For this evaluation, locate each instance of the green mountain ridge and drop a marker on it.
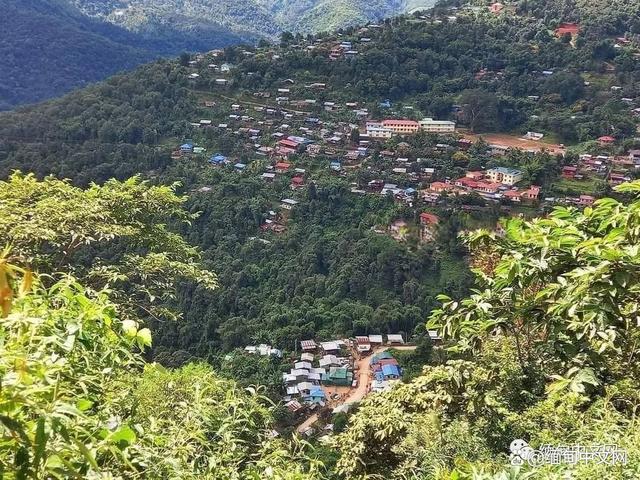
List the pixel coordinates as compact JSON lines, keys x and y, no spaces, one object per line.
{"x":52,"y":46}
{"x":254,"y":17}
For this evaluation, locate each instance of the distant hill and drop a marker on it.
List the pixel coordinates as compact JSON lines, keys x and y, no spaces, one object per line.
{"x":53,"y":46}
{"x":251,"y":17}
{"x":327,"y":15}
{"x":49,"y":47}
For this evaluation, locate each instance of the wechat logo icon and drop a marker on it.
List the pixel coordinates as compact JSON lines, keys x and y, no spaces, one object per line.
{"x":520,"y":452}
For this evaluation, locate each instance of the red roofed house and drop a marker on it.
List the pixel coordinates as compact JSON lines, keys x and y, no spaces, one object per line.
{"x":429,"y":219}
{"x":496,"y":8}
{"x":532,"y":193}
{"x":475,"y":175}
{"x":586,"y":200}
{"x":567,"y":29}
{"x":569,"y":172}
{"x":513,"y":195}
{"x":297,"y":182}
{"x":288,"y":143}
{"x":282,"y":167}
{"x":485,"y":187}
{"x":428,"y":222}
{"x":466,"y":182}
{"x":439,"y":187}
{"x":606,"y":140}
{"x":616,"y":178}
{"x":464,"y":143}
{"x":363,"y":344}
{"x":376,"y":367}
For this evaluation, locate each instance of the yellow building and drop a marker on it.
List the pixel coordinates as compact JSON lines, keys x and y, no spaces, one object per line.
{"x":401,"y":127}
{"x":430,"y":125}
{"x":506,"y":176}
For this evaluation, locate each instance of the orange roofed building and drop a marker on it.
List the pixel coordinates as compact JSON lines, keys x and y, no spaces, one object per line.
{"x":401,"y":127}
{"x":568,"y":29}
{"x":428,"y":226}
{"x":496,"y":8}
{"x":439,"y":187}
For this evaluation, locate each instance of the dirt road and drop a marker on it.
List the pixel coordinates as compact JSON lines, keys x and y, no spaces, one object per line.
{"x":307,"y":423}
{"x":514,"y":141}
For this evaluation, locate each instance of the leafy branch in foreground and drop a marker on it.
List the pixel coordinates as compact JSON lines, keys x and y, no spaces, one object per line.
{"x":114,"y":236}
{"x":565,"y":289}
{"x":78,"y":401}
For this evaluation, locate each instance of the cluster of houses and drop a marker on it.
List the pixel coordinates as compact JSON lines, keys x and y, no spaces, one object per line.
{"x":385,"y":370}
{"x":344,"y":49}
{"x":615,"y":169}
{"x":333,"y":364}
{"x":273,"y":138}
{"x":326,"y":363}
{"x":263,"y":350}
{"x":493,"y":184}
{"x":300,"y":121}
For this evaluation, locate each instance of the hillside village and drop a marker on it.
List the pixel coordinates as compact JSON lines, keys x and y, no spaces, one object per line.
{"x":305,"y":132}
{"x":300,"y":133}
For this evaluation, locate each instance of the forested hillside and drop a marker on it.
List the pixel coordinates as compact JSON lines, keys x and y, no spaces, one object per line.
{"x":241,"y":215}
{"x":258,"y":18}
{"x":330,"y":273}
{"x":49,"y":48}
{"x":53,"y":46}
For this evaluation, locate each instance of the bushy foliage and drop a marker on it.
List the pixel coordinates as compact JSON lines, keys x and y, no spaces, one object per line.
{"x":540,"y":352}
{"x":110,"y":130}
{"x":327,"y":275}
{"x":78,"y":402}
{"x":113,"y":236}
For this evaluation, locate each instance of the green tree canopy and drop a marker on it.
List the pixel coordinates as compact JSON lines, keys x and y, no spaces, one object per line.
{"x":119,"y":235}
{"x":78,"y":401}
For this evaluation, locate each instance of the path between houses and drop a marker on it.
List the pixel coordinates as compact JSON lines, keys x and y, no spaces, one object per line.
{"x":363,"y":383}
{"x":256,"y":104}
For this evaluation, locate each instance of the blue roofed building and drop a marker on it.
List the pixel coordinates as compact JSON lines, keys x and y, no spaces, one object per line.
{"x":390,"y":372}
{"x":186,"y":148}
{"x":217,"y":159}
{"x":316,"y":395}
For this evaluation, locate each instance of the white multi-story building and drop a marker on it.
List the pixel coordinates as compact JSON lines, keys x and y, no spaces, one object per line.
{"x":430,"y":125}
{"x":379,"y":132}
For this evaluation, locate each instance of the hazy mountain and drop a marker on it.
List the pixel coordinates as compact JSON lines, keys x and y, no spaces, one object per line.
{"x":250,"y":17}
{"x":50,"y":47}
